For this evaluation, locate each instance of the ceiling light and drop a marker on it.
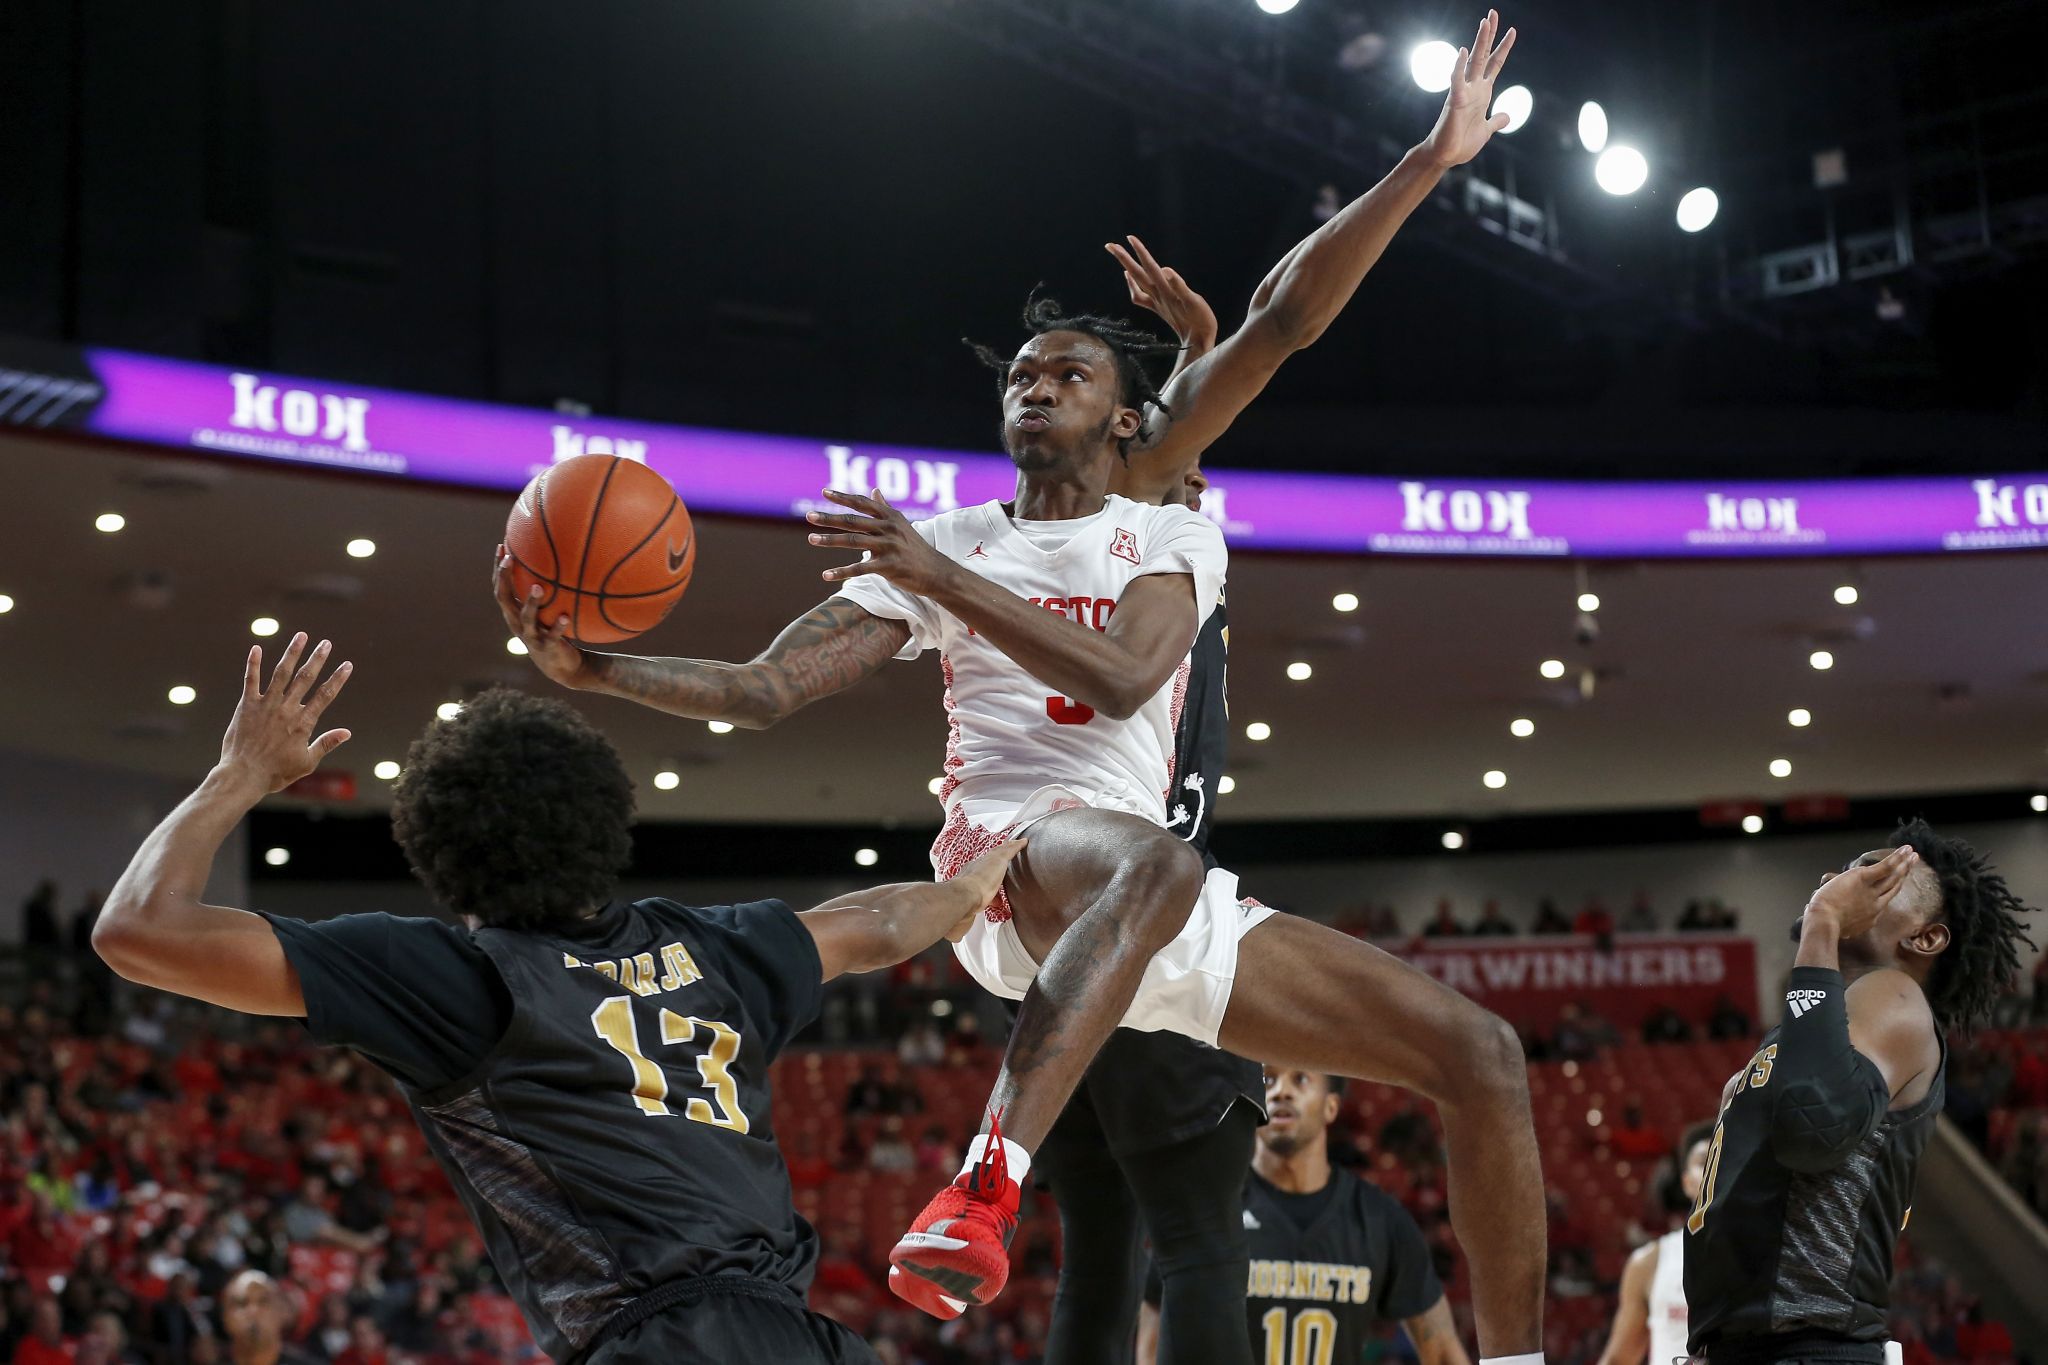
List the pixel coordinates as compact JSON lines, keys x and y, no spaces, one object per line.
{"x":1589,"y":602}
{"x":1593,"y":1117}
{"x":1345,"y":601}
{"x":6,"y":604}
{"x":182,"y":695}
{"x":936,"y":785}
{"x":1592,"y":126}
{"x":1517,"y":103}
{"x":1257,"y":730}
{"x":1781,"y":767}
{"x":515,"y":645}
{"x":2039,"y":801}
{"x":277,"y":857}
{"x":109,"y":522}
{"x":1432,"y":64}
{"x":386,"y":770}
{"x":1846,"y":595}
{"x":718,"y":727}
{"x":1453,"y":839}
{"x":667,"y":781}
{"x":448,"y":710}
{"x":1799,"y":718}
{"x":1225,"y":785}
{"x":866,"y":857}
{"x":1821,"y":660}
{"x":361,"y":548}
{"x":266,"y":626}
{"x":1697,"y":209}
{"x":1752,"y":824}
{"x":1495,"y":778}
{"x":1551,"y":668}
{"x":1521,"y":727}
{"x":1621,"y":170}
{"x":1299,"y":671}
{"x":1277,"y":6}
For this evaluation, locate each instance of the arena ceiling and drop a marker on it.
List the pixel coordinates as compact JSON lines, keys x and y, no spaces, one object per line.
{"x":1940,"y":681}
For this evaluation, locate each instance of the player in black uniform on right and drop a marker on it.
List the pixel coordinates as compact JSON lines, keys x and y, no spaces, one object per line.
{"x":1788,"y":1251}
{"x":591,"y":1074}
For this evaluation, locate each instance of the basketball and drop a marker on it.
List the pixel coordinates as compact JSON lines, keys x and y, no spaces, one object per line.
{"x":608,"y":540}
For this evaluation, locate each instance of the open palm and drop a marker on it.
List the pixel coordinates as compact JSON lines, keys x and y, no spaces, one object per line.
{"x":1464,"y":127}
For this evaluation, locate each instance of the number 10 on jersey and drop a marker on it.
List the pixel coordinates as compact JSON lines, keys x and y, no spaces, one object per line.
{"x":614,"y":1022}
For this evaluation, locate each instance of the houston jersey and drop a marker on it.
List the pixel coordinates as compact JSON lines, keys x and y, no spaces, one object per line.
{"x":1667,"y":1317}
{"x":1010,"y":734}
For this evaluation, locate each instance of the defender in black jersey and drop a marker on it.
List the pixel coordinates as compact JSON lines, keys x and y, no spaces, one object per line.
{"x":1332,"y":1256}
{"x":1157,"y":1135}
{"x":592,"y":1075}
{"x":1809,"y":1181}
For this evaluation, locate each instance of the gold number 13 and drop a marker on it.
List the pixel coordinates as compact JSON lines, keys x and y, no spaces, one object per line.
{"x":614,"y":1023}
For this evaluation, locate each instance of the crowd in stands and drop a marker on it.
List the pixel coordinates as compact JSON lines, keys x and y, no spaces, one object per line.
{"x":151,"y":1150}
{"x":1382,"y":921}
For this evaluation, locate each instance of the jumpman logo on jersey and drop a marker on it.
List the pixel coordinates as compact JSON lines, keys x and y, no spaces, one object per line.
{"x":1126,"y":546}
{"x":977,"y":552}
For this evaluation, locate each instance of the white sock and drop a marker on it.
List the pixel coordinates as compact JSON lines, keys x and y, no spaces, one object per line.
{"x":1019,"y":1160}
{"x":1532,"y":1358}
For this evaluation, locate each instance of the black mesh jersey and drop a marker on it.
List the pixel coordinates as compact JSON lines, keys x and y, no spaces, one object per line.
{"x":1201,"y":737}
{"x":613,"y":1145}
{"x":1780,"y":1265}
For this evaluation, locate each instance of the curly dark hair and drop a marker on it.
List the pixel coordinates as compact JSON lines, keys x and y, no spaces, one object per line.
{"x":1982,"y":960}
{"x":1703,"y":1131}
{"x":1130,"y":345}
{"x":517,"y":812}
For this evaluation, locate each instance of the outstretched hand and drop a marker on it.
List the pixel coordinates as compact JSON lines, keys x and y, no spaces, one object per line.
{"x":984,"y":877}
{"x":891,"y":545}
{"x":1464,"y":125}
{"x":270,"y":740}
{"x":1161,"y":290}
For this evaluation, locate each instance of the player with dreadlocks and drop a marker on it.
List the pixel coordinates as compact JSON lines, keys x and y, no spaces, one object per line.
{"x":1809,"y":1180}
{"x":1064,"y":618}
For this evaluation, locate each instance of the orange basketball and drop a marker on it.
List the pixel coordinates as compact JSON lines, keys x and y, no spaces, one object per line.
{"x":610,"y":542}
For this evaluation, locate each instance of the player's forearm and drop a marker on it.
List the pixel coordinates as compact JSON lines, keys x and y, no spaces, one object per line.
{"x":863,"y":931}
{"x":746,"y":695}
{"x":1313,"y":282}
{"x":1073,"y":660}
{"x":159,"y":894}
{"x":1826,"y":1097}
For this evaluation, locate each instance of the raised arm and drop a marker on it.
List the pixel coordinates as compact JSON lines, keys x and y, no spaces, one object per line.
{"x":866,"y":930}
{"x":156,"y":930}
{"x":1114,"y":671}
{"x":1845,"y":1054}
{"x":1311,"y":284}
{"x":826,"y":650}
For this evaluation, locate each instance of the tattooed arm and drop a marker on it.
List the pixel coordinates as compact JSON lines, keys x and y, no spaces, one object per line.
{"x":827,"y":650}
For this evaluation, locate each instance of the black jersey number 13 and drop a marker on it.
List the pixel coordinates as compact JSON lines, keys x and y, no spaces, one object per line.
{"x":614,"y":1022}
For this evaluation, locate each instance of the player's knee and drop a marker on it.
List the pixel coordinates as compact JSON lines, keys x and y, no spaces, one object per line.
{"x":1482,"y":1061}
{"x":1160,"y":882}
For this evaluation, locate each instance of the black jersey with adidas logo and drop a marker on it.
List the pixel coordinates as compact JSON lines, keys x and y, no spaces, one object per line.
{"x":598,"y":1096}
{"x":1783,"y":1265}
{"x":1327,"y":1267}
{"x":1201,"y":740}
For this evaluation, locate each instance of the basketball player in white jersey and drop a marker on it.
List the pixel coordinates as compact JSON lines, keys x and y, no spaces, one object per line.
{"x":1063,"y":618}
{"x":1651,"y":1314}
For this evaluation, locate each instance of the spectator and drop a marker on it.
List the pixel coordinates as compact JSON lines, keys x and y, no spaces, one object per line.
{"x":1637,"y":1140}
{"x":1386,"y":923}
{"x":45,"y":1343}
{"x":1445,"y":925}
{"x":1694,"y":917}
{"x":1594,"y":920}
{"x":935,"y":1152}
{"x":808,"y":1170}
{"x":330,"y":1335}
{"x":178,"y":1319}
{"x":1492,"y":922}
{"x":1666,"y":1025}
{"x":921,"y":1045}
{"x":1550,"y":919}
{"x":1728,"y":1020}
{"x":109,"y":1340}
{"x":890,"y":1152}
{"x":966,"y":1047}
{"x":840,"y":1267}
{"x":253,"y":1314}
{"x":365,"y":1343}
{"x":39,"y":937}
{"x":1641,"y":918}
{"x":1580,"y":1034}
{"x":308,"y":1223}
{"x":868,"y":1094}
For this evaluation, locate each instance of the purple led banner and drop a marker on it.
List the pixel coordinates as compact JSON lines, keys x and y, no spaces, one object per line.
{"x":403,"y":435}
